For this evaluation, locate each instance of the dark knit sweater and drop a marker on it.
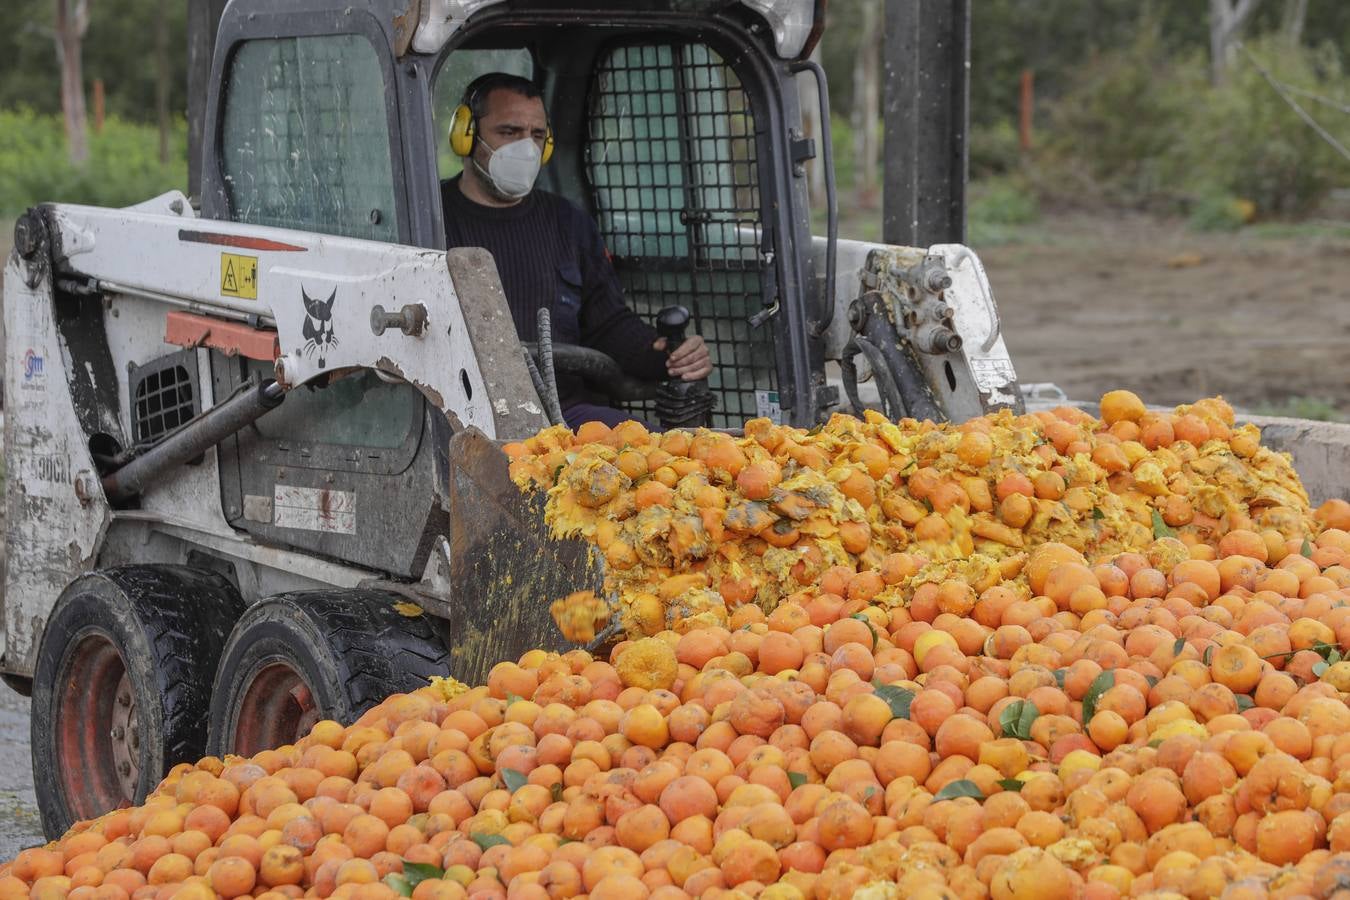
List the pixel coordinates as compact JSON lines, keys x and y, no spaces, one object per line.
{"x":550,"y":254}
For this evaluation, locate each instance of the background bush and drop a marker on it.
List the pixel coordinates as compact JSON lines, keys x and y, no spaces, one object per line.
{"x":1144,"y":127}
{"x":123,"y":167}
{"x":1247,"y":142}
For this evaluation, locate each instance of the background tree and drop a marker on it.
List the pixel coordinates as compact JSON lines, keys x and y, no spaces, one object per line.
{"x":1295,"y":17}
{"x":162,"y":76}
{"x":72,"y":20}
{"x":866,"y":112}
{"x":1227,"y":18}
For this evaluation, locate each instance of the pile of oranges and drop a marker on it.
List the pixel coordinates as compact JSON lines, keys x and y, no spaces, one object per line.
{"x":693,"y":524}
{"x":1164,"y":720}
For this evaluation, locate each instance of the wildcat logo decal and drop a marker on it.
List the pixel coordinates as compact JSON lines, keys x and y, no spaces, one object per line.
{"x":318,"y":330}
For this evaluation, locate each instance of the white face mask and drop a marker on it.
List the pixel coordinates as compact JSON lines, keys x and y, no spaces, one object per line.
{"x":513,"y":168}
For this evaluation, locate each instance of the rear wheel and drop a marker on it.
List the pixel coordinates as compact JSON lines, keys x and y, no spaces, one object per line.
{"x":295,"y":659}
{"x":122,"y":685}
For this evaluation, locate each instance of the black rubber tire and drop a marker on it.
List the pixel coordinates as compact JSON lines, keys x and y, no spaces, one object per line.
{"x":168,"y":625}
{"x":351,"y":649}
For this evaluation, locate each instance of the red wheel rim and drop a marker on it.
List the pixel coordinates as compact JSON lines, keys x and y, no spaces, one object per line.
{"x":277,"y":708}
{"x":97,"y":730}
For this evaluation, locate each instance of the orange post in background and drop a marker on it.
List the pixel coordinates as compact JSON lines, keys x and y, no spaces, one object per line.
{"x":98,"y":106}
{"x":1028,"y":101}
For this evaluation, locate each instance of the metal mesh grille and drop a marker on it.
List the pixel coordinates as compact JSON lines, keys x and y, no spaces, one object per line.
{"x":671,"y":157}
{"x":163,"y":402}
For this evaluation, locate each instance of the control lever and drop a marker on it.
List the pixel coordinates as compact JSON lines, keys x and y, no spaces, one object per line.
{"x":670,"y":324}
{"x":680,"y":403}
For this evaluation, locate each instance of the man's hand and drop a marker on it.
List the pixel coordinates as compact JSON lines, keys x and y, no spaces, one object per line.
{"x":690,"y":361}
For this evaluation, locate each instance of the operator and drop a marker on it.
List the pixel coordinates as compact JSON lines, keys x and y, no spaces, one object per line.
{"x":549,"y":252}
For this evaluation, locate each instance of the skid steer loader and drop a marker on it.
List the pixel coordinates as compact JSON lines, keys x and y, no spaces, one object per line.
{"x":253,"y":447}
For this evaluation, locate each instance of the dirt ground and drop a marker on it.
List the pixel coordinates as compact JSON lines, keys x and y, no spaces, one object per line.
{"x":20,"y":825}
{"x":1099,"y":303}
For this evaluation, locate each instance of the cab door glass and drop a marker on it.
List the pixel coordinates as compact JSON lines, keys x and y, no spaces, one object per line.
{"x":306,"y":137}
{"x":357,"y":410}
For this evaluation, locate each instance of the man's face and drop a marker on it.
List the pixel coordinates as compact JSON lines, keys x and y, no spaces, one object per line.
{"x":510,"y":117}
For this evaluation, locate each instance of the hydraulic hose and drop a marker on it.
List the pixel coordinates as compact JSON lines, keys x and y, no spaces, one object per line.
{"x":886,"y":385}
{"x":880,"y":332}
{"x":192,"y":440}
{"x":848,"y":373}
{"x":554,"y":415}
{"x":550,"y":377}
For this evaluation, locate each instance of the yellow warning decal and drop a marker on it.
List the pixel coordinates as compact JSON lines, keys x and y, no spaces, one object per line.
{"x":239,"y":276}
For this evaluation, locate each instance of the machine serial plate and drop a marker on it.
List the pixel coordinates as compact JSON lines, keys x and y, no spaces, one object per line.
{"x":314,"y":509}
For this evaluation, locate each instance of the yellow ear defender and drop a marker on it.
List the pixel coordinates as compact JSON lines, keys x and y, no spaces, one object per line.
{"x":462,"y":130}
{"x":464,"y":127}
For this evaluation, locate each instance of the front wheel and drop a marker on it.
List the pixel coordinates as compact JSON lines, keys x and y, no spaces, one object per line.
{"x":295,"y":659}
{"x":122,"y":685}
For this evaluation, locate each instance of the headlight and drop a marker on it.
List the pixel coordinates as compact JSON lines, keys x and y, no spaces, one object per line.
{"x":791,"y":21}
{"x":442,"y":18}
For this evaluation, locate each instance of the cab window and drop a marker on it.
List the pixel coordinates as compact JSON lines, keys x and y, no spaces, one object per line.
{"x":306,"y":137}
{"x":358,"y":410}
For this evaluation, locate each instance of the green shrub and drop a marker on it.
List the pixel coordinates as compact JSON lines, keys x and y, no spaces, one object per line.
{"x":123,"y":166}
{"x":1144,"y":127}
{"x":1114,"y":136}
{"x":1002,"y":201}
{"x":994,"y":149}
{"x":998,"y":211}
{"x":1218,"y":211}
{"x":1247,"y":142}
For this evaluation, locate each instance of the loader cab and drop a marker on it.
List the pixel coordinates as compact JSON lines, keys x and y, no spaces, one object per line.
{"x":660,"y":139}
{"x":676,"y":128}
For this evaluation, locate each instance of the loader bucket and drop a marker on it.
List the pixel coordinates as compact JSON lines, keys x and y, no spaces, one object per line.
{"x":505,"y":568}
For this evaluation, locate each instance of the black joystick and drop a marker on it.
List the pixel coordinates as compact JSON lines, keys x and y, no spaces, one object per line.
{"x":670,"y":324}
{"x":680,"y":403}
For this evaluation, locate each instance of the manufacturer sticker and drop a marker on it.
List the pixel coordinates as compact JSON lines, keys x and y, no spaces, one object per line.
{"x":767,"y":406}
{"x":239,"y":276}
{"x":314,"y":509}
{"x":34,"y":366}
{"x":992,"y":373}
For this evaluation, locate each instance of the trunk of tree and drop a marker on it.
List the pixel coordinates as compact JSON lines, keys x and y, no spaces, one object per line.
{"x":867,"y":104}
{"x":809,"y":97}
{"x":1226,"y":21}
{"x":72,"y":18}
{"x":162,"y":77}
{"x":1295,"y":15}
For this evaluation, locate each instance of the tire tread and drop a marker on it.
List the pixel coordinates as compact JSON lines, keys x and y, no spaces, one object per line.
{"x":374,"y":651}
{"x":182,"y":615}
